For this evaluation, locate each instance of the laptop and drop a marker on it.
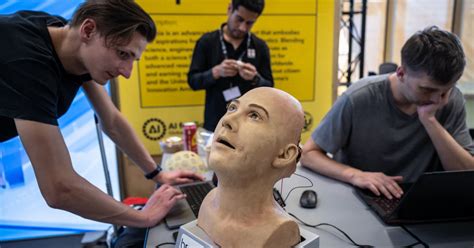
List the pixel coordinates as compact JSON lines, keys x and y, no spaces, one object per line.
{"x":187,"y":210}
{"x":434,"y":197}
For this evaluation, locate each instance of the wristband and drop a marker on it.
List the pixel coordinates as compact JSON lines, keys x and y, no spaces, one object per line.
{"x":153,"y":173}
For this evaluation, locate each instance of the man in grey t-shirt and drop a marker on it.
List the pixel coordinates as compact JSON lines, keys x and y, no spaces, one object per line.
{"x":392,"y":128}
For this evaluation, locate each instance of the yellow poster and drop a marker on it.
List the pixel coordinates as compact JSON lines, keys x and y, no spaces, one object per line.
{"x":157,"y":98}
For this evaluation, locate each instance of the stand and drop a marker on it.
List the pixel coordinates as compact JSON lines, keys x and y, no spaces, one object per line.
{"x":190,"y":235}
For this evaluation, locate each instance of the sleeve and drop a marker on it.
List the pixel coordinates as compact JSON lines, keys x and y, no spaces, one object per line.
{"x":334,"y":131}
{"x":200,"y":75}
{"x":455,"y":122}
{"x":31,"y":93}
{"x":265,"y":70}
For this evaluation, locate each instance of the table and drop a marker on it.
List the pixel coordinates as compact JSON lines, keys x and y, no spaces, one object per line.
{"x":338,"y":205}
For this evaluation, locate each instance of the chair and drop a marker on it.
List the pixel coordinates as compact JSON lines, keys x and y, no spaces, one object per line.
{"x":387,"y":67}
{"x":384,"y":68}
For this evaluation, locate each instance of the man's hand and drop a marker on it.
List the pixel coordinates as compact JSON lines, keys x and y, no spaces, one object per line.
{"x":247,"y":71}
{"x":227,"y":68}
{"x":160,"y":202}
{"x":177,"y":177}
{"x":378,"y":183}
{"x":427,"y":112}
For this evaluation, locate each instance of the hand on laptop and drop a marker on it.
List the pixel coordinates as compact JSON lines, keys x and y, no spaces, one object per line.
{"x":160,"y":202}
{"x":378,"y":183}
{"x":178,"y":177}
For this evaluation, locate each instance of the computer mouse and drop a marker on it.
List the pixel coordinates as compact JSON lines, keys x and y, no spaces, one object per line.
{"x":308,"y":199}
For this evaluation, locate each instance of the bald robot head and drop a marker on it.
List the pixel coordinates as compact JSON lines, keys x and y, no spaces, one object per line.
{"x":290,"y":114}
{"x":255,"y":144}
{"x":262,"y":127}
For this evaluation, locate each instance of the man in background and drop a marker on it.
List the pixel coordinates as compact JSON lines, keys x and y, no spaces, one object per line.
{"x":230,"y":61}
{"x":392,"y":128}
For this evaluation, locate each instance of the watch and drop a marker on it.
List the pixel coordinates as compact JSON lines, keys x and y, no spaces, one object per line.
{"x":153,"y":173}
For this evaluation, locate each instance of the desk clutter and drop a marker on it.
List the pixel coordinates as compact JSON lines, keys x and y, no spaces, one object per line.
{"x":188,"y":152}
{"x":339,"y":205}
{"x":185,"y":160}
{"x":172,"y":144}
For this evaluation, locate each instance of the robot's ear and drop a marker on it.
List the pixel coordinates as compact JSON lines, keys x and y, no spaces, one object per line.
{"x":298,"y":157}
{"x":290,"y":155}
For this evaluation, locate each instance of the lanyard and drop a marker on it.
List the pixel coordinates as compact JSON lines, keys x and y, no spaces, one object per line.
{"x":224,"y":48}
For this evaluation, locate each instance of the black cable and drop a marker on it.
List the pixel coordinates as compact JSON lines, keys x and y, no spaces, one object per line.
{"x":166,"y":243}
{"x":327,"y":224}
{"x":298,"y":187}
{"x":411,"y":245}
{"x":415,"y":237}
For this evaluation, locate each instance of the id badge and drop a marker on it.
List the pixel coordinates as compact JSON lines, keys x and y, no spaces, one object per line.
{"x":231,"y":93}
{"x":251,"y":53}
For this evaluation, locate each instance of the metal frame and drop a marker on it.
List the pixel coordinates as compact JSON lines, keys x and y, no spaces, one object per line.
{"x":356,"y":37}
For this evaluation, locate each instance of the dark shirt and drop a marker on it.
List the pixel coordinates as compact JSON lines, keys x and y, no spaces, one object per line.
{"x":207,"y":54}
{"x":33,"y":83}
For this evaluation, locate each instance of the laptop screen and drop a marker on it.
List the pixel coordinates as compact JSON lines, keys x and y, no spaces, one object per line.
{"x":440,"y":195}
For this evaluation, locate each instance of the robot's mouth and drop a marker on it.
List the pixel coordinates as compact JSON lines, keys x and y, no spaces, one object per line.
{"x":225,"y":142}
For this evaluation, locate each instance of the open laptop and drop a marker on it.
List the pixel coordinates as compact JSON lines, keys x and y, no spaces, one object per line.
{"x":186,"y":210}
{"x":434,"y":197}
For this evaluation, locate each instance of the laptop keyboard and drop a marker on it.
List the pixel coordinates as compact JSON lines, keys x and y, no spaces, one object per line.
{"x":195,"y":195}
{"x":387,"y":205}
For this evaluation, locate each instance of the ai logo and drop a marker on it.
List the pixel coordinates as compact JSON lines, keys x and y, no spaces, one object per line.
{"x":154,"y":129}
